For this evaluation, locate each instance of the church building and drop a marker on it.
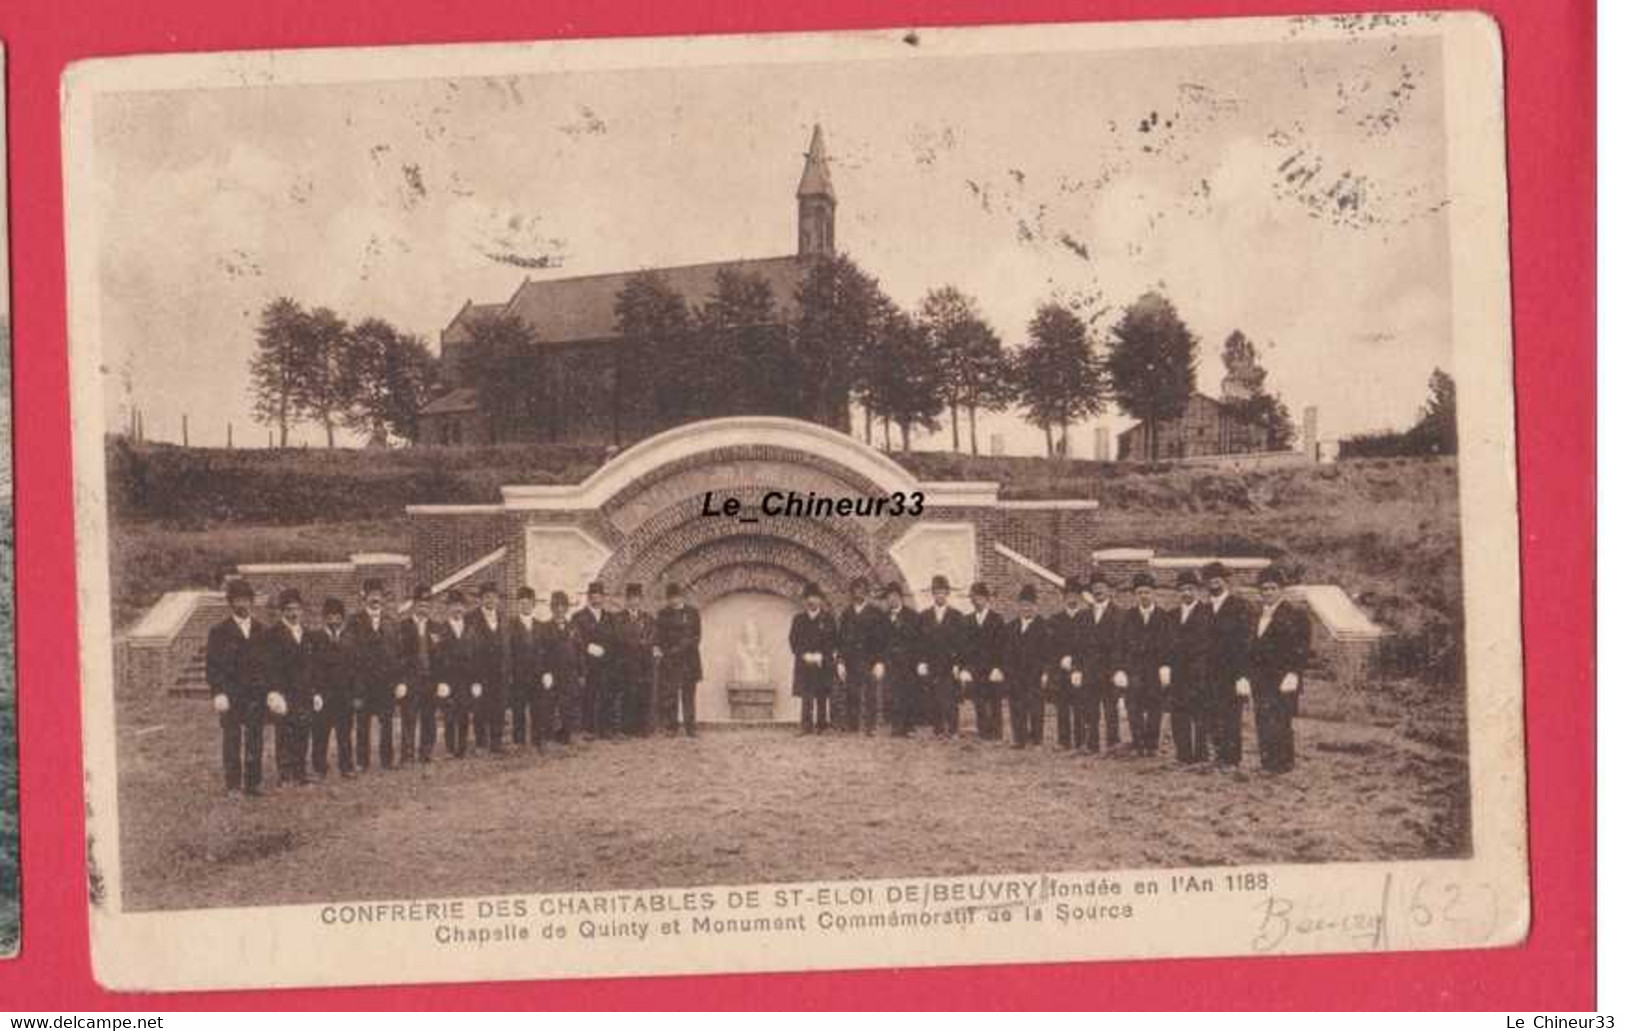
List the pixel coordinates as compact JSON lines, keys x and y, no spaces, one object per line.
{"x":581,"y":385}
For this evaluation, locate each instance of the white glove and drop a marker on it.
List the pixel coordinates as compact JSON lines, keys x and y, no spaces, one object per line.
{"x":221,"y":703}
{"x":276,"y":703}
{"x":1119,"y":679}
{"x":997,"y":676}
{"x":1165,"y":675}
{"x":1066,"y":662}
{"x":840,"y":670}
{"x":476,"y":690}
{"x":355,"y":703}
{"x":1077,"y":680}
{"x":596,"y":650}
{"x":965,"y":677}
{"x":400,"y":691}
{"x":1243,"y":689}
{"x":817,"y":658}
{"x":316,"y":703}
{"x":923,"y":669}
{"x":657,"y":652}
{"x":1289,"y":684}
{"x":1043,"y":679}
{"x":443,"y":691}
{"x":547,"y":681}
{"x":879,"y":670}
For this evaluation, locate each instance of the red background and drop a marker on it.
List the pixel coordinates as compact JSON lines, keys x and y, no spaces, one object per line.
{"x":1551,"y":115}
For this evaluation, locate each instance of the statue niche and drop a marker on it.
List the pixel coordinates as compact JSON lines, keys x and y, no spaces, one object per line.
{"x":751,"y":690}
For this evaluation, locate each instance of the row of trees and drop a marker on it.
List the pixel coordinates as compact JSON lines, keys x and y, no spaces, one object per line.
{"x":313,"y":366}
{"x":1433,"y":432}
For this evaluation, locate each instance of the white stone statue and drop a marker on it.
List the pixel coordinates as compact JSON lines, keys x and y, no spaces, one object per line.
{"x":750,"y":657}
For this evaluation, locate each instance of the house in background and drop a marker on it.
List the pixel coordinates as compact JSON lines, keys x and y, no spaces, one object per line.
{"x":1207,"y":427}
{"x":583,"y":382}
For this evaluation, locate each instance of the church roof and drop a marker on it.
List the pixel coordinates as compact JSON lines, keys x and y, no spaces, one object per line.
{"x":583,"y":307}
{"x":815,"y":178}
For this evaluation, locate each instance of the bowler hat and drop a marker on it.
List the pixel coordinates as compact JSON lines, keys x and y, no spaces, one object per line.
{"x":455,"y":598}
{"x":1073,"y":585}
{"x":1186,"y":578}
{"x":422,"y":593}
{"x":239,"y":589}
{"x":525,"y":594}
{"x":1099,"y":577}
{"x":1144,"y":580}
{"x":559,"y":599}
{"x":858,"y":585}
{"x":370,"y":584}
{"x":811,"y":591}
{"x":894,"y":588}
{"x":332,"y":607}
{"x":979,"y":590}
{"x":289,"y":596}
{"x":634,"y":590}
{"x":1215,"y":571}
{"x":489,"y":587}
{"x":940,"y":583}
{"x":1027,"y":593}
{"x":674,"y":590}
{"x":1271,"y":575}
{"x":596,"y":587}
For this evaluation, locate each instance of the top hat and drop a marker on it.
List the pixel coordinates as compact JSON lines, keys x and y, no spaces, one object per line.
{"x":238,"y":589}
{"x":559,"y":599}
{"x":940,"y":583}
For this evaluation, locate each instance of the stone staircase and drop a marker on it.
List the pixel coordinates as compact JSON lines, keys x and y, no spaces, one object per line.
{"x":751,"y":703}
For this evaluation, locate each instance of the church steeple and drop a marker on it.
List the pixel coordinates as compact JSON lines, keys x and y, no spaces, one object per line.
{"x":815,"y":203}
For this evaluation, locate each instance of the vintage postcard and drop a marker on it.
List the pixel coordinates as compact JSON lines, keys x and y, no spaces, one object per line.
{"x":796,"y":502}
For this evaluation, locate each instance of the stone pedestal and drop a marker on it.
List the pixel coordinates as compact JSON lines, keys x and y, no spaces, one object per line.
{"x":751,"y":701}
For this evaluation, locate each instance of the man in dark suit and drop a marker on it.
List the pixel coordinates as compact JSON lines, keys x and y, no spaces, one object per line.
{"x":234,"y":667}
{"x":333,"y":684}
{"x":1027,"y":655}
{"x":812,"y":644}
{"x":636,"y":627}
{"x":1189,"y":626}
{"x":560,"y":694}
{"x":677,"y":651}
{"x":455,"y":667}
{"x":378,"y":680}
{"x":524,"y":664}
{"x":488,"y":692}
{"x":981,"y":656}
{"x":1229,"y":640}
{"x":941,"y":639}
{"x":289,"y":674}
{"x":1068,"y":633}
{"x":858,"y":631}
{"x":414,"y":691}
{"x":1103,"y":673}
{"x":895,"y":664}
{"x":600,"y":694}
{"x":1145,"y":655}
{"x":1275,"y":665}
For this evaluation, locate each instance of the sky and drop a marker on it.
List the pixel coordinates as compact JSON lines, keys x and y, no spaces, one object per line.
{"x":1295,"y":191}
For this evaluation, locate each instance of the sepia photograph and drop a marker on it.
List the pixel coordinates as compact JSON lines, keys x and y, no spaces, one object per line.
{"x":788,"y":502}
